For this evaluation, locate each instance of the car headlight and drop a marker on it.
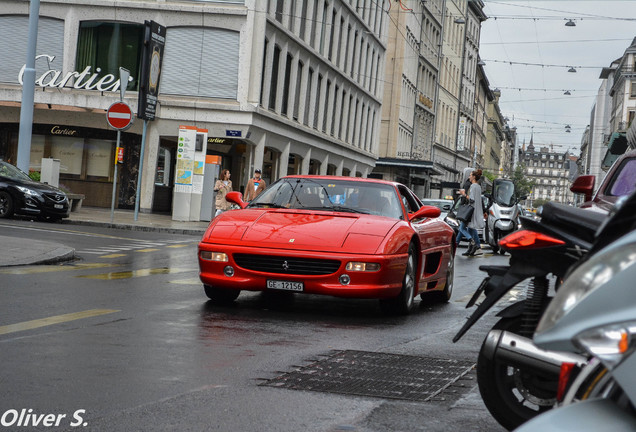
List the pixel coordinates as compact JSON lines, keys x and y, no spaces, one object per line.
{"x":608,"y":343}
{"x":362,"y":266}
{"x":584,"y":280}
{"x":214,"y":256}
{"x":28,"y":192}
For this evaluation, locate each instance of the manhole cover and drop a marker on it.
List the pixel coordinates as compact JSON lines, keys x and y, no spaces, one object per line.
{"x":384,"y":375}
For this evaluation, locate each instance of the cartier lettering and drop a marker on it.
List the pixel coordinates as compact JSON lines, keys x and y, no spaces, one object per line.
{"x":56,"y":130}
{"x":82,"y":80}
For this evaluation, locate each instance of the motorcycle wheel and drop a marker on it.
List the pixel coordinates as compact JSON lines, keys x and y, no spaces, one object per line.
{"x":513,"y":396}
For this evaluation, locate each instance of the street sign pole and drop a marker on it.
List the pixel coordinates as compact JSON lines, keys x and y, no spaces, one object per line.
{"x":112,"y":201}
{"x":124,"y":74}
{"x":141,"y":164}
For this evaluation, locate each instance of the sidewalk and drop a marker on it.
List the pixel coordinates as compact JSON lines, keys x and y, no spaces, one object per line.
{"x":19,"y":251}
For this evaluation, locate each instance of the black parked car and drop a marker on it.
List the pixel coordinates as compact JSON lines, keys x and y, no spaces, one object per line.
{"x":21,"y":195}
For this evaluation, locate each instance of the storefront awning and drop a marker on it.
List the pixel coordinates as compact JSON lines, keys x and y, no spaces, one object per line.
{"x":426,"y":166}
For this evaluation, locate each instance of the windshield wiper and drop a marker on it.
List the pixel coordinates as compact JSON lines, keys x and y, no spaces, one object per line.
{"x":269,"y":205}
{"x":349,"y":209}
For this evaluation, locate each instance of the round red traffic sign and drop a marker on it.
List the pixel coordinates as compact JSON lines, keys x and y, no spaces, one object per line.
{"x":119,"y":116}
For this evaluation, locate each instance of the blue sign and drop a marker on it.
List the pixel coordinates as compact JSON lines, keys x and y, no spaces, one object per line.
{"x":233,"y":133}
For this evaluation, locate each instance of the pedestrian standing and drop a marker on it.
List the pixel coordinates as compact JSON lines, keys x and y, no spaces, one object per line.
{"x":255,"y":186}
{"x":477,"y":221}
{"x":462,"y":231}
{"x":222,"y":186}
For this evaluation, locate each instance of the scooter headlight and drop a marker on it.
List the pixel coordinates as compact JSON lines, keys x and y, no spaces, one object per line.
{"x":584,"y":280}
{"x":608,"y":343}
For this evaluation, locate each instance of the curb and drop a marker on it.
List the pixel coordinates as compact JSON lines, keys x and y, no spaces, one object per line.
{"x":61,"y":254}
{"x":145,"y":228}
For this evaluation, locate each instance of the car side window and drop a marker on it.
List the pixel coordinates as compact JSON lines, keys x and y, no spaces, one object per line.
{"x":409,"y":201}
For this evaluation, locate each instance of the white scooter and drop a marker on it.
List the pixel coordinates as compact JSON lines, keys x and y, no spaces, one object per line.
{"x":503,"y":213}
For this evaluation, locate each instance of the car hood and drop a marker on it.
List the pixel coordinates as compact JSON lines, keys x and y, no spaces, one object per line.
{"x":37,"y":186}
{"x":300,"y":230}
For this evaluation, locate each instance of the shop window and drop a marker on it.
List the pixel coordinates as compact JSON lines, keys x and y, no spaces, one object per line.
{"x":162,"y":177}
{"x":109,"y":46}
{"x":37,"y":152}
{"x":70,"y":152}
{"x":99,"y":157}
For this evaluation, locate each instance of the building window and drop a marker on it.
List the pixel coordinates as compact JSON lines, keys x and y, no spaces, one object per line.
{"x":109,"y":45}
{"x":273,"y":84}
{"x":288,"y":66}
{"x":632,"y":90}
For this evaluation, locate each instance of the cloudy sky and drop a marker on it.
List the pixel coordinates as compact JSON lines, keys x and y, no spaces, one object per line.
{"x":528,"y":51}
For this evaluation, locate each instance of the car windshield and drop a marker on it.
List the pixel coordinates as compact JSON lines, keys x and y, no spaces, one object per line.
{"x":331,"y":195}
{"x":503,"y":193}
{"x":8,"y":170}
{"x":625,"y":181}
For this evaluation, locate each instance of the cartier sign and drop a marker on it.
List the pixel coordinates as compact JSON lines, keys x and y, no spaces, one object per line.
{"x":56,"y":130}
{"x":83,"y":80}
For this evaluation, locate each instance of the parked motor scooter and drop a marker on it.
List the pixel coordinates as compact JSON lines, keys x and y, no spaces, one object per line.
{"x":517,"y":379}
{"x":503,"y":213}
{"x":595,"y":312}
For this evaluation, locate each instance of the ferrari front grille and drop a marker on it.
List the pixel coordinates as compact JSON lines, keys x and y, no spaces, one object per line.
{"x":286,"y":265}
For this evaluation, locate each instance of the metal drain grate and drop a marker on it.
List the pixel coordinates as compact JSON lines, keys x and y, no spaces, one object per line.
{"x":384,"y":375}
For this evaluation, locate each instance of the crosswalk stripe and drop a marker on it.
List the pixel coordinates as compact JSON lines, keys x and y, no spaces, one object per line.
{"x":136,"y":273}
{"x":54,"y":268}
{"x":43,"y":322}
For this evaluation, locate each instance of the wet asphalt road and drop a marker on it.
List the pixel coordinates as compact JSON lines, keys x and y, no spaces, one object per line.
{"x":124,"y":339}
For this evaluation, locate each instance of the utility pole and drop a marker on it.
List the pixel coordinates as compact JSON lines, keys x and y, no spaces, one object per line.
{"x":28,"y":91}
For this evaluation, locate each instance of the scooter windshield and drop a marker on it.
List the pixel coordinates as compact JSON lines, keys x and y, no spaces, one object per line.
{"x":504,"y":193}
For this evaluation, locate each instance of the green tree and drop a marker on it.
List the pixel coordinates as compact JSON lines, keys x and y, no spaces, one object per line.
{"x":523,"y":185}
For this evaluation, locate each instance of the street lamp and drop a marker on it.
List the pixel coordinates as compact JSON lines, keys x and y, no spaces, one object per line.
{"x":567,"y":93}
{"x":571,"y":69}
{"x":570,"y":23}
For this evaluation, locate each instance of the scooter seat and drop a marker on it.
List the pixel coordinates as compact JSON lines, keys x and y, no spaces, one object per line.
{"x":581,"y":222}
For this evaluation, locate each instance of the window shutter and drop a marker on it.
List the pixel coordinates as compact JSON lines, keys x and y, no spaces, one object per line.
{"x":208,"y":67}
{"x":50,"y":42}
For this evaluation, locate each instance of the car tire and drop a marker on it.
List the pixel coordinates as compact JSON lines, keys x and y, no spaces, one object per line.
{"x":444,"y":295}
{"x":221,"y":295}
{"x":403,"y":303}
{"x":6,"y":205}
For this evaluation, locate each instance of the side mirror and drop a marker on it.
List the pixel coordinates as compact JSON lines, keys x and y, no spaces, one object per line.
{"x":236,"y":198}
{"x":425,"y":212}
{"x":446,"y":207}
{"x":584,"y":185}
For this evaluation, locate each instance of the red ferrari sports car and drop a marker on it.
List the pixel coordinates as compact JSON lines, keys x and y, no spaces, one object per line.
{"x":338,"y":236}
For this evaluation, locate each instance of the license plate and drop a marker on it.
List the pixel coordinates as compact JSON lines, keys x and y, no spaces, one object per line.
{"x":58,"y":206}
{"x":285,"y":285}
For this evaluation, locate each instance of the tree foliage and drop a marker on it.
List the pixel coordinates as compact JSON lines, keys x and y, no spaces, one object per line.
{"x":523,"y":185}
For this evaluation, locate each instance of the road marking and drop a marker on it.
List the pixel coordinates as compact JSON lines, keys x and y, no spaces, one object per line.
{"x":177,"y":246}
{"x":190,"y":281}
{"x":54,"y":268}
{"x":135,"y":273}
{"x":113,"y":256}
{"x":43,"y":322}
{"x":147,"y":250}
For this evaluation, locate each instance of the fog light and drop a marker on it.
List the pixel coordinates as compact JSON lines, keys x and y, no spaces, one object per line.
{"x":229,"y":271}
{"x":345,"y":279}
{"x":362,"y":266}
{"x":214,"y":256}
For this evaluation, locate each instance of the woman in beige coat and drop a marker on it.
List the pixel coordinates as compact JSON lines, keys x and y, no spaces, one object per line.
{"x":222,"y":187}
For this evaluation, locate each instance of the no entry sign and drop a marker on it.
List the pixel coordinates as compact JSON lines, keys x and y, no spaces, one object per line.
{"x":119,"y":116}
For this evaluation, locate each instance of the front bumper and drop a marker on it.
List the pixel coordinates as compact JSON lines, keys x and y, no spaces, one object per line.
{"x":384,"y":283}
